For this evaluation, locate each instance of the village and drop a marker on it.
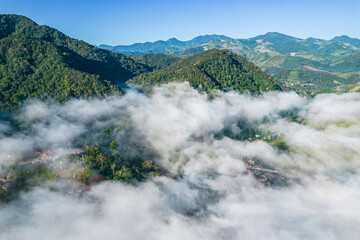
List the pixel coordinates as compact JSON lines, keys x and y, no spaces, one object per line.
{"x":72,"y":167}
{"x":264,"y":138}
{"x":46,"y":163}
{"x":266,"y":175}
{"x":261,"y":171}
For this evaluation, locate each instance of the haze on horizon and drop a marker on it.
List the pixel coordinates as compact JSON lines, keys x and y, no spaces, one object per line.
{"x":126,"y":22}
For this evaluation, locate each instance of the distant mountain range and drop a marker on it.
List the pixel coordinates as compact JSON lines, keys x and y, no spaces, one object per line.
{"x":269,"y":42}
{"x":171,"y":45}
{"x":306,"y":65}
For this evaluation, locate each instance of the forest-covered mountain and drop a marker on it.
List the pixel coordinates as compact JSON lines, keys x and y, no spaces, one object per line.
{"x":307,"y":65}
{"x":39,"y":61}
{"x":213,"y":69}
{"x":350,"y":63}
{"x":156,"y":61}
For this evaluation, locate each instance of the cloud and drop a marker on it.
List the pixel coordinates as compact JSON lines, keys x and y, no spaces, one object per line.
{"x":207,"y":193}
{"x":333,"y":108}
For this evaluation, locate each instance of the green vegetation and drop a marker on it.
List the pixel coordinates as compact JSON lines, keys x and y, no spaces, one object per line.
{"x":346,"y":39}
{"x":310,"y":82}
{"x":213,"y":69}
{"x":347,"y":64}
{"x":16,"y":178}
{"x":171,"y":45}
{"x":293,"y":75}
{"x":34,"y":68}
{"x":117,"y":153}
{"x":156,"y":61}
{"x":307,"y":57}
{"x":279,"y":144}
{"x":250,"y":133}
{"x":112,"y":153}
{"x":308,"y":66}
{"x":116,"y":168}
{"x":192,"y":51}
{"x":39,"y":61}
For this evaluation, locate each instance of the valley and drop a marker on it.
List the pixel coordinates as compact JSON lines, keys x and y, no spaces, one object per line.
{"x":211,"y":138}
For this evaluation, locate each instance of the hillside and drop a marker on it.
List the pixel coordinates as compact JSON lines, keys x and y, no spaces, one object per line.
{"x":278,"y":48}
{"x":308,"y":81}
{"x":315,"y":62}
{"x":156,"y":61}
{"x":39,"y":61}
{"x":279,"y":54}
{"x":348,"y":64}
{"x":213,"y":69}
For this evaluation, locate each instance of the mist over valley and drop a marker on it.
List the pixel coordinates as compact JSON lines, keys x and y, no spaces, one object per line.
{"x":213,"y":138}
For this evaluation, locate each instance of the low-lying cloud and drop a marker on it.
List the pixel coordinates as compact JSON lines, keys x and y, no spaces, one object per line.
{"x":207,"y":193}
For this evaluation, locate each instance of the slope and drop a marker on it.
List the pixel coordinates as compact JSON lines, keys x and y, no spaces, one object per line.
{"x":348,"y":64}
{"x":213,"y":69}
{"x":39,"y":61}
{"x":156,"y":61}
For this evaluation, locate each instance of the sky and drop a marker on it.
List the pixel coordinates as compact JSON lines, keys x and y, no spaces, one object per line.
{"x":129,"y":21}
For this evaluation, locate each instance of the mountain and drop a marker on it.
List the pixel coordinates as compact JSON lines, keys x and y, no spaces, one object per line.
{"x":316,"y":62}
{"x":172,"y":45}
{"x":320,"y":64}
{"x":263,"y":50}
{"x":191,"y":51}
{"x":311,"y":48}
{"x":213,"y":69}
{"x":278,"y":42}
{"x":276,"y":37}
{"x":203,"y":39}
{"x":346,"y":39}
{"x":348,"y":64}
{"x":156,"y":61}
{"x":39,"y":61}
{"x":310,"y":81}
{"x":324,"y":51}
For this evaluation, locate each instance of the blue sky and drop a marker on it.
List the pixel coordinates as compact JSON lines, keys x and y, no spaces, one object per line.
{"x":126,"y":22}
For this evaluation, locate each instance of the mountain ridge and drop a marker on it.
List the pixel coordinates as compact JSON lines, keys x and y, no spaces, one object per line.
{"x":42,"y":62}
{"x":162,"y":46}
{"x":282,"y":56}
{"x":210,"y":70}
{"x":202,"y":39}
